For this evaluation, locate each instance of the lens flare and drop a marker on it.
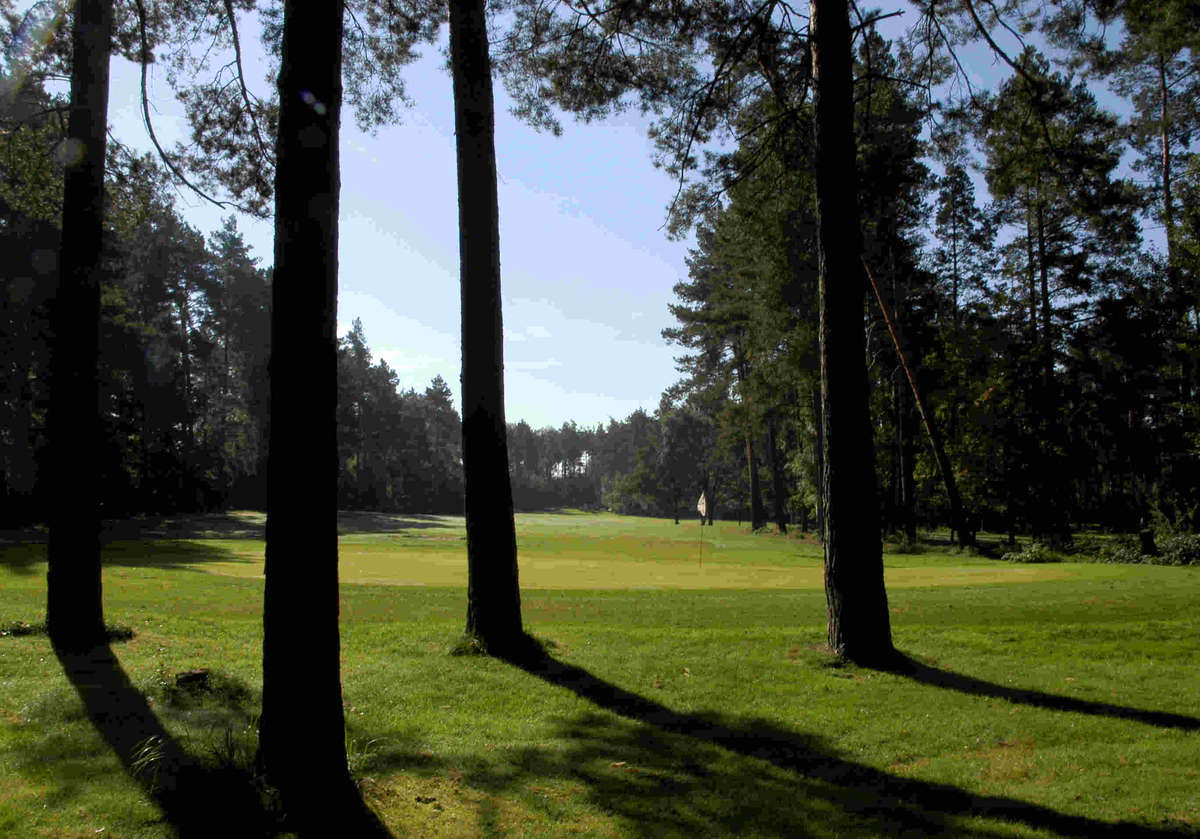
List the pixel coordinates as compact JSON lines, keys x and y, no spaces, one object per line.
{"x":28,"y":43}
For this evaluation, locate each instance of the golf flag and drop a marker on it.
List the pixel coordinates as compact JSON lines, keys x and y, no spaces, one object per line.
{"x":702,"y":506}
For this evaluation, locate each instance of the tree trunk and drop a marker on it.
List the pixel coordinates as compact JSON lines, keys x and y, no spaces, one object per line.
{"x":777,"y":484}
{"x":1164,"y":139}
{"x":1032,"y":272}
{"x":74,"y":601}
{"x":186,"y":494}
{"x":859,"y":624}
{"x":819,"y":462}
{"x":758,"y":514}
{"x":958,"y":518}
{"x":906,"y":451}
{"x":712,"y":500}
{"x":1044,"y":281}
{"x":493,"y":592}
{"x":302,"y":728}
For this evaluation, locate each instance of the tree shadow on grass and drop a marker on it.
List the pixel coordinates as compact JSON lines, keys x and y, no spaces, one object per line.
{"x":251,"y":524}
{"x":880,"y":801}
{"x":910,"y":668}
{"x":232,"y":525}
{"x":366,"y":521}
{"x":185,"y":541}
{"x":663,"y":782}
{"x":29,"y":558}
{"x":198,"y":798}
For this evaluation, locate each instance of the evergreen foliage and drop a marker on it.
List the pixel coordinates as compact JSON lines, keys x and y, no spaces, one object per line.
{"x":1056,"y":352}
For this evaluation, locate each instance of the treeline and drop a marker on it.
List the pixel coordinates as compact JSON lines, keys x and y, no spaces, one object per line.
{"x":184,"y":379}
{"x":1054,"y":351}
{"x":185,"y":343}
{"x":1051,"y":355}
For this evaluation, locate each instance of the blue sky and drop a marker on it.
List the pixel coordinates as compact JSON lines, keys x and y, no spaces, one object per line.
{"x":587,"y":271}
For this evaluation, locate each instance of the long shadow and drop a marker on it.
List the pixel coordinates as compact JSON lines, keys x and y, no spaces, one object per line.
{"x":29,"y":558}
{"x":252,"y":525}
{"x":196,"y":799}
{"x":917,"y":671}
{"x":187,"y":540}
{"x":366,"y":521}
{"x":230,"y":525}
{"x":874,"y":790}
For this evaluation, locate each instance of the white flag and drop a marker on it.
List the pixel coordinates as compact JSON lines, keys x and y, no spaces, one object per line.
{"x":702,"y":506}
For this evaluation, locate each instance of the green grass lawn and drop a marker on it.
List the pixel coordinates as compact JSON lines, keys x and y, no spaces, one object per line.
{"x":692,"y":694}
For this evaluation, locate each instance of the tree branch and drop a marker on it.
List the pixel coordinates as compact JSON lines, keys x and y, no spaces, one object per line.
{"x":237,"y":54}
{"x":148,"y":122}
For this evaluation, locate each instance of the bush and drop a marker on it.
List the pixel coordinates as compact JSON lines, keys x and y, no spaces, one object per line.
{"x":1035,"y":553}
{"x":1121,"y":553}
{"x":1183,"y":549}
{"x":903,"y":546}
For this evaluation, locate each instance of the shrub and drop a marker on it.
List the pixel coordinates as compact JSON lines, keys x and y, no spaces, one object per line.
{"x":1035,"y":553}
{"x":1183,"y":549}
{"x":905,"y":547}
{"x":1121,"y":553}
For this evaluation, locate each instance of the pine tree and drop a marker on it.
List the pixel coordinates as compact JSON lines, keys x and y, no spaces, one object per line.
{"x":74,"y":602}
{"x":302,"y":727}
{"x":493,"y":592}
{"x":859,"y":625}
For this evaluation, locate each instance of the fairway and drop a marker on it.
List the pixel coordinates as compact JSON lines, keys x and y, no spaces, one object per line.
{"x":1042,"y":701}
{"x":566,"y":551}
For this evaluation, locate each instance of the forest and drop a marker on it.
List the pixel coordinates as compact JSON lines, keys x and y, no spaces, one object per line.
{"x":912,"y":303}
{"x":1036,"y":254}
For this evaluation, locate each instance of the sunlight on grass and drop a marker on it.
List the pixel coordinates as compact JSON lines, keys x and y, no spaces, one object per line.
{"x":586,"y":551}
{"x":1055,"y":700}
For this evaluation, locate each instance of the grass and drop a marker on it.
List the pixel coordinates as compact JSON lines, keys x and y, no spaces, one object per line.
{"x":1043,"y":700}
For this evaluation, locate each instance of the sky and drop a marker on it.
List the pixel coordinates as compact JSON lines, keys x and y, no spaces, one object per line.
{"x":587,"y":269}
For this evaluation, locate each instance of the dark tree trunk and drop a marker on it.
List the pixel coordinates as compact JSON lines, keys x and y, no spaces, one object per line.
{"x":777,"y":483}
{"x":758,"y":514}
{"x":819,"y":462}
{"x":905,"y":430}
{"x":302,"y":728}
{"x":713,"y":487}
{"x":493,"y":592}
{"x":1052,"y":485}
{"x":1031,"y":277}
{"x":1164,"y":140}
{"x":74,"y":602}
{"x":958,"y":518}
{"x":859,"y":624}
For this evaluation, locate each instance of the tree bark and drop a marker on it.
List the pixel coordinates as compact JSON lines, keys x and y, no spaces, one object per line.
{"x":302,"y":728}
{"x":858,"y":621}
{"x":74,"y":597}
{"x":777,"y":483}
{"x":958,"y":519}
{"x":1164,"y":139}
{"x":712,"y":487}
{"x":1032,"y":272}
{"x":758,"y":514}
{"x":819,"y":461}
{"x":493,"y":591}
{"x":906,"y":460}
